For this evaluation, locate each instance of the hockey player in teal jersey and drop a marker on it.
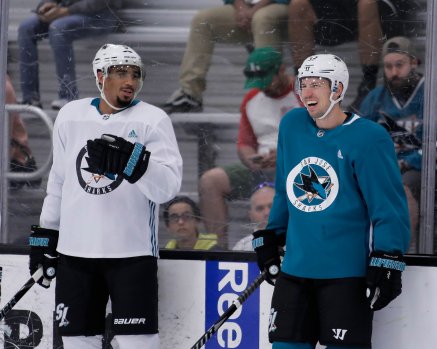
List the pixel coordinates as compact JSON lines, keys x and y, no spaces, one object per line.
{"x":341,"y":209}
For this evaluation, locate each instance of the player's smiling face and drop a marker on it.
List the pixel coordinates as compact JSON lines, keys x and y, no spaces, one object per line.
{"x":121,"y":84}
{"x":314,"y":93}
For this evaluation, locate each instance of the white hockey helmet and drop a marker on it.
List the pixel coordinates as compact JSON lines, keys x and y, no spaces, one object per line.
{"x":110,"y":55}
{"x":326,"y":66}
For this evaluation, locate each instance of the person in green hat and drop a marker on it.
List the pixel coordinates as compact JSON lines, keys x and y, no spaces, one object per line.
{"x":271,"y":94}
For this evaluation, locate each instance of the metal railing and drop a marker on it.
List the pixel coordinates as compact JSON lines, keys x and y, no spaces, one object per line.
{"x":26,"y":112}
{"x":45,"y":167}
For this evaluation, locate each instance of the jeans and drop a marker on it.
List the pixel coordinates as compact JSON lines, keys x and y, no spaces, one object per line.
{"x":61,"y":33}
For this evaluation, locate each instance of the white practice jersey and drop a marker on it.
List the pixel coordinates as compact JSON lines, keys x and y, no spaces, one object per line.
{"x":101,"y":217}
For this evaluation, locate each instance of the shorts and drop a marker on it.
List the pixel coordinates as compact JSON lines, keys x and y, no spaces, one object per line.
{"x":243,"y":181}
{"x":331,"y":311}
{"x":338,"y":19}
{"x":83,"y":286}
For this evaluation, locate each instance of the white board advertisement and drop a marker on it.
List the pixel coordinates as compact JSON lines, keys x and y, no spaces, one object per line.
{"x":194,"y":293}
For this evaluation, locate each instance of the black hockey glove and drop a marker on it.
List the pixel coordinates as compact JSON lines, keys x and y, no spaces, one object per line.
{"x":266,"y":245}
{"x":384,"y":278}
{"x":43,"y":243}
{"x":115,"y":155}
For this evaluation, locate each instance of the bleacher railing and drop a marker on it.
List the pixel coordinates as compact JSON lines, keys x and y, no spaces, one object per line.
{"x":26,"y":112}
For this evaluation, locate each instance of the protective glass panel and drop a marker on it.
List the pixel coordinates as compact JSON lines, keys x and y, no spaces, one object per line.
{"x":195,"y":72}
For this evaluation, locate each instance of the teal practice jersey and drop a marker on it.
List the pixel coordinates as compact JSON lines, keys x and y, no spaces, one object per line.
{"x":338,"y":195}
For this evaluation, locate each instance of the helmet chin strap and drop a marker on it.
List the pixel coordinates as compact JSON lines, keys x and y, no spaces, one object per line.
{"x":333,"y":102}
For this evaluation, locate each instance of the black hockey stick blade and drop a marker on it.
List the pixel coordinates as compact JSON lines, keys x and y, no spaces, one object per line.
{"x":228,"y":313}
{"x":21,"y":292}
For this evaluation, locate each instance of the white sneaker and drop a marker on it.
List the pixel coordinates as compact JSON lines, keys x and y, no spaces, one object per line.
{"x":59,"y":103}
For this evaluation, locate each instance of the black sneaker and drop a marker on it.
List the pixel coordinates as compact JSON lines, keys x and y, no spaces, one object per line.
{"x":32,"y":102}
{"x":59,"y":103}
{"x":29,"y":165}
{"x":180,"y":102}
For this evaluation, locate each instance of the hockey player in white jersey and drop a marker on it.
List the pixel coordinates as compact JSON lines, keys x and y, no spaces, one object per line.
{"x":115,"y":159}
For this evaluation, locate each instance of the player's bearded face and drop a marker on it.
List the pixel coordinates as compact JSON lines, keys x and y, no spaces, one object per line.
{"x":122,"y":83}
{"x":314,"y":93}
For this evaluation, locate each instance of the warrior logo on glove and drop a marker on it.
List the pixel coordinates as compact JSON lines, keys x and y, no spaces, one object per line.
{"x":103,"y":164}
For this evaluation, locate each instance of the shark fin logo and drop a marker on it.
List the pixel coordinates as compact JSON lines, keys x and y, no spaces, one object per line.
{"x":312,"y":185}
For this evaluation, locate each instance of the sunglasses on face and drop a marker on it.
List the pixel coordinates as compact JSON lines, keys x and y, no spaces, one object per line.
{"x":255,"y":74}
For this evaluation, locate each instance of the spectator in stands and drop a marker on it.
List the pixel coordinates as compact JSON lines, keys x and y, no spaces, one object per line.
{"x":398,"y":106}
{"x":21,"y":159}
{"x":260,"y":204}
{"x":182,"y":218}
{"x":271,"y":96}
{"x":261,"y":22}
{"x":62,"y":21}
{"x":333,"y":22}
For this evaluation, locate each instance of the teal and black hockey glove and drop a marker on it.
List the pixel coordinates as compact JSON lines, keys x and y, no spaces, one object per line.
{"x":267,"y":247}
{"x":384,"y":282}
{"x":115,"y":155}
{"x":43,"y":243}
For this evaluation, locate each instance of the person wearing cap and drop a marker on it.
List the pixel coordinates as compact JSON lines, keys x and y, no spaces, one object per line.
{"x":398,"y":105}
{"x":260,"y":204}
{"x":334,"y":22}
{"x":257,"y":23}
{"x":271,"y":94}
{"x":340,"y":210}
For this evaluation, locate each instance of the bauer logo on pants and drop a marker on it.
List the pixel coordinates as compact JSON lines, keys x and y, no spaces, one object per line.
{"x":224,"y":283}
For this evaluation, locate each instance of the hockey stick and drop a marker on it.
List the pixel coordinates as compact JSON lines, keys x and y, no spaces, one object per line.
{"x":227,"y":314}
{"x":21,"y":292}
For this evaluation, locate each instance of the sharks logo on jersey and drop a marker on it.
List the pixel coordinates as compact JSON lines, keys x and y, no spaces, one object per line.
{"x":90,"y":180}
{"x":312,"y":185}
